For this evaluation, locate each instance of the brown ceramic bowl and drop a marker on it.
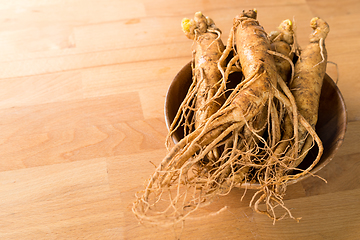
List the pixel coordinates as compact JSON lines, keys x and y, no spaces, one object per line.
{"x":331,"y":125}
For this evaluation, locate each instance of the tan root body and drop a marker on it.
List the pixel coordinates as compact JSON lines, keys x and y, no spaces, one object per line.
{"x":208,"y":47}
{"x":257,"y":133}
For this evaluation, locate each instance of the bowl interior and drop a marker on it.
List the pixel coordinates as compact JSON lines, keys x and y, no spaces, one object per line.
{"x":331,"y":125}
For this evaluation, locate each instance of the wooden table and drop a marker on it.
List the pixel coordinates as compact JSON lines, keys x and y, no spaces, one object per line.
{"x":82,"y":88}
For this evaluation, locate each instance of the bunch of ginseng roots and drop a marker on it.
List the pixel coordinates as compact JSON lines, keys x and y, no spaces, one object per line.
{"x":257,"y":132}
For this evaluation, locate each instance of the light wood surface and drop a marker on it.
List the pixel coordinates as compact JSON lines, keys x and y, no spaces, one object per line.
{"x":82,"y":89}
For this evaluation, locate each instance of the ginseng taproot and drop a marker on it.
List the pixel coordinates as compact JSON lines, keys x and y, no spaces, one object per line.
{"x":257,"y":132}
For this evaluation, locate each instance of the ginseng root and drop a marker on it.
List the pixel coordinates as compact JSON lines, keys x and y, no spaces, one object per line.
{"x":208,"y":47}
{"x":309,"y":74}
{"x":200,"y":102}
{"x":260,"y":113}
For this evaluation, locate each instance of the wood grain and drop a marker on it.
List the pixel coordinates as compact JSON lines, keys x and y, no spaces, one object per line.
{"x":82,"y":90}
